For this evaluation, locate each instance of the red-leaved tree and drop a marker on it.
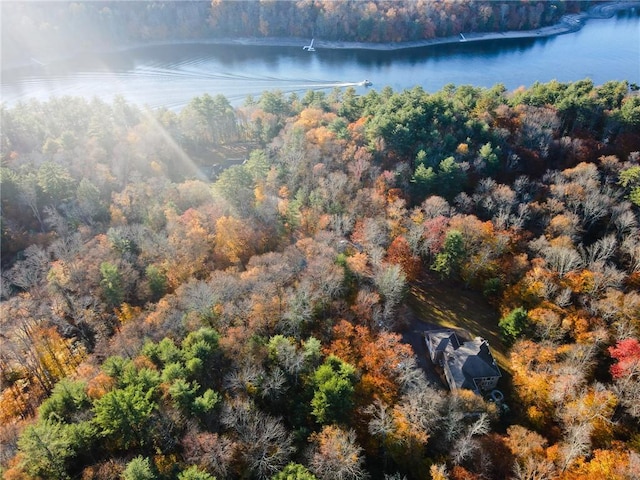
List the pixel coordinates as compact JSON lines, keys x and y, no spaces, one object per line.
{"x":627,"y":353}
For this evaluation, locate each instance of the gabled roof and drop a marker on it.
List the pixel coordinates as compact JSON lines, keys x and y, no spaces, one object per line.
{"x":440,"y":340}
{"x":465,"y":361}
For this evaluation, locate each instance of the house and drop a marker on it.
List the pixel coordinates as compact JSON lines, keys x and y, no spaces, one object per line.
{"x":467,"y":365}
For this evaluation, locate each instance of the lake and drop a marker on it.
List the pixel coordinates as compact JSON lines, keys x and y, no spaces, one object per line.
{"x":604,"y":49}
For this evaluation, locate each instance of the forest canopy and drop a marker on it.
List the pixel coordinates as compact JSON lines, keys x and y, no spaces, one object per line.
{"x":39,"y":29}
{"x":163,"y":319}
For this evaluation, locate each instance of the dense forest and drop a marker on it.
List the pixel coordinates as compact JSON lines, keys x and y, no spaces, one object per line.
{"x":107,"y":24}
{"x":161,"y":323}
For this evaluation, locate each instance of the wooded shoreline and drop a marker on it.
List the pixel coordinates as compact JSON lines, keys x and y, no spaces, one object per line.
{"x":568,"y":24}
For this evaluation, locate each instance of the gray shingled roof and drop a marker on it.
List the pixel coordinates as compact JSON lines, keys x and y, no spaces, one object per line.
{"x":441,"y":339}
{"x":466,"y":361}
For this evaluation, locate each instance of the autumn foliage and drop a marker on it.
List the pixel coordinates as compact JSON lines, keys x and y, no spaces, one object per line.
{"x":256,"y":324}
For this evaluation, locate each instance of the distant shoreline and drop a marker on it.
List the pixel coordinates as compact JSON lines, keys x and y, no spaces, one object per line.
{"x":568,"y":24}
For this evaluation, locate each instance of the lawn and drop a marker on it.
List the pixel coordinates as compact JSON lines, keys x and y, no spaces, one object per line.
{"x":443,"y":303}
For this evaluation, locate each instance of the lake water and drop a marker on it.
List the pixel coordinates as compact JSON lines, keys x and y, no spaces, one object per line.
{"x":171,"y":75}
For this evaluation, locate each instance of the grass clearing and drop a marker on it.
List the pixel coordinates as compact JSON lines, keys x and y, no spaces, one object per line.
{"x":442,"y":303}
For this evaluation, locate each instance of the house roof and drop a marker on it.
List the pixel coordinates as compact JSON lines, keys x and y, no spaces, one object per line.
{"x":439,"y":340}
{"x":465,"y":361}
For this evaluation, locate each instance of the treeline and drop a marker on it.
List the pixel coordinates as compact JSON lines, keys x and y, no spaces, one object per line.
{"x":159,"y":325}
{"x":44,"y":29}
{"x":380,"y":20}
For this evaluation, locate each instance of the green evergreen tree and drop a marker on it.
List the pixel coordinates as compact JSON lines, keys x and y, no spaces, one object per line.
{"x":447,"y":262}
{"x":333,"y":385}
{"x":195,"y":473}
{"x":68,"y":397}
{"x":294,"y":471}
{"x":423,"y":180}
{"x":112,"y":285}
{"x":157,"y":282}
{"x":123,"y":415}
{"x":630,"y":180}
{"x":48,"y":447}
{"x":514,"y":324}
{"x":488,"y":154}
{"x":55,"y":182}
{"x":450,"y":178}
{"x":139,"y":468}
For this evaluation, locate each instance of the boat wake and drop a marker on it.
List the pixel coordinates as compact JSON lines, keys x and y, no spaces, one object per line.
{"x":163,"y":84}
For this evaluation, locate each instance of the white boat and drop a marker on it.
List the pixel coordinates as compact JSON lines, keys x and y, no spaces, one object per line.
{"x":309,"y":48}
{"x":366,"y":83}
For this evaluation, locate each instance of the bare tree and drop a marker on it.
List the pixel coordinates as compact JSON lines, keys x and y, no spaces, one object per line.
{"x":392,"y":284}
{"x":342,"y":223}
{"x":274,"y":384}
{"x":563,"y":299}
{"x":298,"y":313}
{"x":495,"y":200}
{"x":200,"y":297}
{"x":624,"y":218}
{"x":424,"y":409}
{"x":548,"y":326}
{"x":605,"y":276}
{"x":381,"y":424}
{"x":285,"y":354}
{"x":539,"y":124}
{"x":435,"y":206}
{"x":597,"y":204}
{"x":56,"y":221}
{"x":628,"y":391}
{"x":67,"y":247}
{"x":467,"y":445}
{"x":335,"y":455}
{"x":376,"y":233}
{"x":5,"y":287}
{"x":451,"y":425}
{"x":563,"y":259}
{"x":411,"y":376}
{"x":567,"y":383}
{"x":244,"y":379}
{"x":622,"y":310}
{"x":534,"y":469}
{"x":9,"y":435}
{"x":209,"y":450}
{"x":414,"y":237}
{"x":360,"y":164}
{"x":324,"y":277}
{"x":525,"y":189}
{"x":601,"y":250}
{"x":376,"y":256}
{"x":31,"y":271}
{"x":464,"y":202}
{"x":631,"y":249}
{"x":395,"y":476}
{"x":577,"y":442}
{"x":266,"y":445}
